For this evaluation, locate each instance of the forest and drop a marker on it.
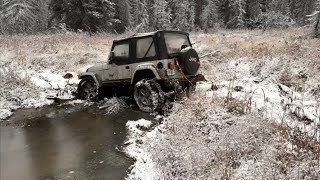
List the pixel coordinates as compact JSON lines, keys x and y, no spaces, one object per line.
{"x":33,"y":16}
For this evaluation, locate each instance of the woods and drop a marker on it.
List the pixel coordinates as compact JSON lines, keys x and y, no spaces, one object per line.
{"x":21,"y":16}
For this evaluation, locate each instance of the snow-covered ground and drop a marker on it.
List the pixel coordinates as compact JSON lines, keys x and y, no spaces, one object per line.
{"x":35,"y":86}
{"x":241,"y":101}
{"x":257,"y":116}
{"x":144,"y":167}
{"x":267,"y":95}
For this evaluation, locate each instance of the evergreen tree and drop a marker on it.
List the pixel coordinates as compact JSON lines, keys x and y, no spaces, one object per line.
{"x":139,"y":16}
{"x":88,"y":15}
{"x":122,"y":15}
{"x":161,"y":15}
{"x":183,"y":14}
{"x":315,"y":19}
{"x":208,"y":17}
{"x":238,"y":9}
{"x":18,"y":16}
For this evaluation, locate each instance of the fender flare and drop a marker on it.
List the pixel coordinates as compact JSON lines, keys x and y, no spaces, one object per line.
{"x":93,"y":76}
{"x":147,"y":66}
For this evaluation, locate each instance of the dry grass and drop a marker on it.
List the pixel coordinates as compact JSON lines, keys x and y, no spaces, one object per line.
{"x":204,"y":141}
{"x":67,"y":51}
{"x":258,"y":44}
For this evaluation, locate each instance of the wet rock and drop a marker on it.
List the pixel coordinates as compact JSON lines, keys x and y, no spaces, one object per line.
{"x":139,"y":141}
{"x":214,"y":87}
{"x":127,"y":143}
{"x":258,"y":80}
{"x":303,"y":75}
{"x":230,"y":122}
{"x":238,"y":88}
{"x":68,"y":76}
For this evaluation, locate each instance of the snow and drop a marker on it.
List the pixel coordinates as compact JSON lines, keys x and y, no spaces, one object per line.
{"x":5,"y":113}
{"x":268,"y":97}
{"x":114,"y":105}
{"x":43,"y":84}
{"x":144,"y":167}
{"x":274,"y":101}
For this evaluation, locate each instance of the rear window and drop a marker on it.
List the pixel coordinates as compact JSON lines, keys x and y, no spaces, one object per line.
{"x":145,"y":48}
{"x":175,"y":42}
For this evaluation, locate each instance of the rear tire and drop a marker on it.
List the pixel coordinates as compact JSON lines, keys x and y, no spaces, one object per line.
{"x":88,"y":89}
{"x":147,"y":95}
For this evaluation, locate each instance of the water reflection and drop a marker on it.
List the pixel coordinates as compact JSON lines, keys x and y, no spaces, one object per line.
{"x":66,"y":143}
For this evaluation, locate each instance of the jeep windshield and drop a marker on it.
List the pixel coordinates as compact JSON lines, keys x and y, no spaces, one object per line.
{"x":175,"y":42}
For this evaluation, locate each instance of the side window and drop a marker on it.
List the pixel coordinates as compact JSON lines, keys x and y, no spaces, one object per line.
{"x":145,"y":48}
{"x":121,"y":50}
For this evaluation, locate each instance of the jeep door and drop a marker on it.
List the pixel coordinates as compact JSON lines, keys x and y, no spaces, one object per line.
{"x":119,"y":68}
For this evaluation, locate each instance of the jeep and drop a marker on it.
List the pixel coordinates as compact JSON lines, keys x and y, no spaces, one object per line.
{"x":147,"y":65}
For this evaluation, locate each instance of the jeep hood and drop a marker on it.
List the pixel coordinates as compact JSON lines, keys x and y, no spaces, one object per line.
{"x":95,"y":68}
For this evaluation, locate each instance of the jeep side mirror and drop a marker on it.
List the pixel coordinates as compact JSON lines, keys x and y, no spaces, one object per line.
{"x":184,"y":46}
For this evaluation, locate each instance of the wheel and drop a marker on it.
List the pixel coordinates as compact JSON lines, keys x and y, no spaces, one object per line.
{"x":88,"y":89}
{"x":147,"y":94}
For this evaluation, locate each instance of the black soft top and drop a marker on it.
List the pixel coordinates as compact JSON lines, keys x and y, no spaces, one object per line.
{"x":140,"y":35}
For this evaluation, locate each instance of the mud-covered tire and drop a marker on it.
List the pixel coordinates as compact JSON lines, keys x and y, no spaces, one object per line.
{"x":88,"y":90}
{"x":147,"y":95}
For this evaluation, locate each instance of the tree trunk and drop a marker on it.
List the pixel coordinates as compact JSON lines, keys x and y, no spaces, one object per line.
{"x":317,"y":27}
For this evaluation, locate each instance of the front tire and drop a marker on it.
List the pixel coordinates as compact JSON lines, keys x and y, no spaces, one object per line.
{"x":147,"y":94}
{"x":88,"y":89}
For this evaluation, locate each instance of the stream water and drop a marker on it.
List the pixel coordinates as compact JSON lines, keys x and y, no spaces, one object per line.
{"x":65,"y":143}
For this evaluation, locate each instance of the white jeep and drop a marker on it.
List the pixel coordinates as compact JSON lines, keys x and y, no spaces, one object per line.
{"x":146,"y":65}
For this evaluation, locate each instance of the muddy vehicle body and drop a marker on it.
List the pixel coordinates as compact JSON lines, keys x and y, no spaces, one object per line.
{"x":146,"y":65}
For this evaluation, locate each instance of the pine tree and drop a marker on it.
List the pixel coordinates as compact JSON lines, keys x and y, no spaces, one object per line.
{"x":87,"y":15}
{"x":183,"y":14}
{"x":315,"y":19}
{"x":238,"y":7}
{"x":139,"y":16}
{"x":208,"y":15}
{"x":18,"y":16}
{"x":161,"y":15}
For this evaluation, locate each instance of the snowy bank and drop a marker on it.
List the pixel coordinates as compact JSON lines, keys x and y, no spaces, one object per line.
{"x":29,"y":88}
{"x":242,"y":125}
{"x":138,"y":146}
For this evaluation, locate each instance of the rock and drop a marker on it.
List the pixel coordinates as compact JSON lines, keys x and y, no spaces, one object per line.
{"x":303,"y":75}
{"x":238,"y":88}
{"x":139,"y":141}
{"x":214,"y":87}
{"x":258,"y":80}
{"x":127,"y":143}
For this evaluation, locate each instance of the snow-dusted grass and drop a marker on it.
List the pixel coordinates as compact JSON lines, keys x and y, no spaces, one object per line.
{"x":32,"y":67}
{"x":262,"y":121}
{"x":201,"y":139}
{"x":113,"y":105}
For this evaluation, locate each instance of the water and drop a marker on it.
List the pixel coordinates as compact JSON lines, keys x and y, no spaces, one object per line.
{"x":65,"y":143}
